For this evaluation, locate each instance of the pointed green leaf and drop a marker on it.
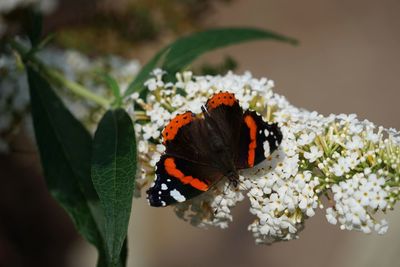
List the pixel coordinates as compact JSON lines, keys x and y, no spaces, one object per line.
{"x":177,"y":55}
{"x":113,"y":174}
{"x":113,"y":85}
{"x":187,"y":49}
{"x":137,"y":84}
{"x":65,"y":152}
{"x":35,"y":27}
{"x":103,"y":260}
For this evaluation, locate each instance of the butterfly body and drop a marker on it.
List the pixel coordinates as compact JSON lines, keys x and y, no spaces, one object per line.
{"x":201,"y":151}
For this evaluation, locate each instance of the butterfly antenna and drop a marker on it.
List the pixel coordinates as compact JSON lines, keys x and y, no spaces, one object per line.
{"x":204,"y":110}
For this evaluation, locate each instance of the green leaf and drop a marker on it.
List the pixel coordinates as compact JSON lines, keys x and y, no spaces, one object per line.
{"x":113,"y":175}
{"x":187,"y":49}
{"x":214,"y":69}
{"x":137,"y":84}
{"x":113,"y":85}
{"x":65,"y":151}
{"x":35,"y":27}
{"x":124,"y":254}
{"x":103,"y":258}
{"x":176,"y":56}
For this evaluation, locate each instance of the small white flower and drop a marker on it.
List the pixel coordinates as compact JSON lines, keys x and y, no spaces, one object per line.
{"x":306,"y":138}
{"x":341,"y":167}
{"x":150,"y":131}
{"x":152,"y":84}
{"x":355,"y":143}
{"x":314,"y":154}
{"x":331,"y":216}
{"x":382,"y":227}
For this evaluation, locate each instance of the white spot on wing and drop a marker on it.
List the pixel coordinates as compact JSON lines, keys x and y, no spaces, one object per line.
{"x":177,"y":195}
{"x":266,"y":149}
{"x":164,"y":187}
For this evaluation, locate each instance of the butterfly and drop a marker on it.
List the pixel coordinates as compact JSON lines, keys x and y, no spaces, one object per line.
{"x":202,"y":150}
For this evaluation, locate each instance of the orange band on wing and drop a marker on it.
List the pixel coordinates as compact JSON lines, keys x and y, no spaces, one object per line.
{"x":170,"y":168}
{"x":219,"y":99}
{"x":253,"y":142}
{"x":172,"y":128}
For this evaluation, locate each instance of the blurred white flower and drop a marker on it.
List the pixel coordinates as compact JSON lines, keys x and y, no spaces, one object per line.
{"x":14,"y":92}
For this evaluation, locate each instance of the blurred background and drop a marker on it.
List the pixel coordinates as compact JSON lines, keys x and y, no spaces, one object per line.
{"x":347,"y":62}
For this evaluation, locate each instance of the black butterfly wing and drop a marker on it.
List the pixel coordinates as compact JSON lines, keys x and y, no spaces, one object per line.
{"x":254,"y":133}
{"x":224,"y":111}
{"x":178,"y":180}
{"x":211,"y":141}
{"x":245,"y":134}
{"x":192,"y":143}
{"x":187,"y":167}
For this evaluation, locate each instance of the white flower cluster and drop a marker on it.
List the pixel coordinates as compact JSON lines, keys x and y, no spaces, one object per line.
{"x":355,"y":199}
{"x":319,"y":157}
{"x":14,"y":90}
{"x":212,"y":208}
{"x":281,"y":194}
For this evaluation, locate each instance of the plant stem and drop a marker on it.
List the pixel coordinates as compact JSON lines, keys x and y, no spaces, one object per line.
{"x":77,"y":88}
{"x":57,"y":77}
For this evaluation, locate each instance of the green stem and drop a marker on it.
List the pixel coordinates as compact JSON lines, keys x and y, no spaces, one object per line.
{"x":57,"y":77}
{"x":77,"y":88}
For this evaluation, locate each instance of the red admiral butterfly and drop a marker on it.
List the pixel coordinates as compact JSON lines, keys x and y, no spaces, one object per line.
{"x":200,"y":151}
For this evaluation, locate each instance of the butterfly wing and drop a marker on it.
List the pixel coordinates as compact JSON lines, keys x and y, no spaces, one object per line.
{"x":210,"y":141}
{"x":225,"y":112}
{"x":178,"y":180}
{"x":187,"y":167}
{"x":244,"y":133}
{"x":256,"y":136}
{"x":193,"y":142}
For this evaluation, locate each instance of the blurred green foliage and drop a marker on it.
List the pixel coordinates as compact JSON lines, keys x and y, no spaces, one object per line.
{"x":226,"y":65}
{"x":116,"y":30}
{"x":114,"y":26}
